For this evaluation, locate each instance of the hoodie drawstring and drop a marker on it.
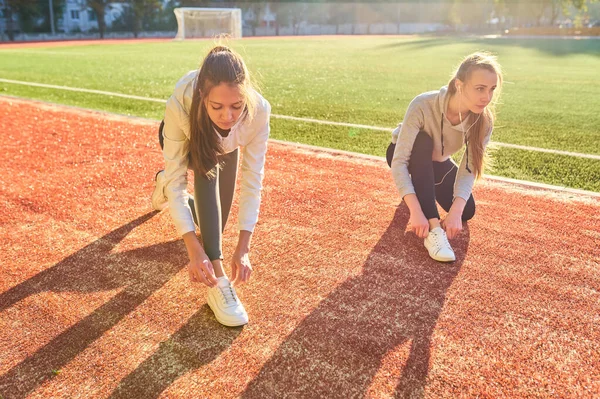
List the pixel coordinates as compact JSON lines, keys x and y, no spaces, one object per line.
{"x":442,"y":132}
{"x":465,"y":141}
{"x":467,"y":153}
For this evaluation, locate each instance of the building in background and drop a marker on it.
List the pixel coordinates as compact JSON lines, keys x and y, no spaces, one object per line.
{"x":78,"y":17}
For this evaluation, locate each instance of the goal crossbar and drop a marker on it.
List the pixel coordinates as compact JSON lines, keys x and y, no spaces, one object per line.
{"x":196,"y":22}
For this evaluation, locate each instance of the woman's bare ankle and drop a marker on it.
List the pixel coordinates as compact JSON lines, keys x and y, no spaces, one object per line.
{"x":218,"y":267}
{"x":433,"y":223}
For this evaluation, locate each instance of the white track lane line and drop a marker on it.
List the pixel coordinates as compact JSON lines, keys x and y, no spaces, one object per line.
{"x":308,"y":147}
{"x":299,"y":119}
{"x":526,"y":183}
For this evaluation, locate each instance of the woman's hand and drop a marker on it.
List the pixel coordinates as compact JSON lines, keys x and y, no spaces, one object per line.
{"x":452,"y":224}
{"x":419,"y":224}
{"x":453,"y":221}
{"x":200,"y":270}
{"x":241,"y":268}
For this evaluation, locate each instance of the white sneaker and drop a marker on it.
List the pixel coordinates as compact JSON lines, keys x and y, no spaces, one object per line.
{"x":225,"y":304}
{"x":159,"y":200}
{"x":438,"y":246}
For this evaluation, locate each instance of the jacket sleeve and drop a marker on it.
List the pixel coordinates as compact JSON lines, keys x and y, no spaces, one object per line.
{"x":253,"y":168}
{"x":406,"y":135}
{"x":463,"y":185}
{"x":175,"y":152}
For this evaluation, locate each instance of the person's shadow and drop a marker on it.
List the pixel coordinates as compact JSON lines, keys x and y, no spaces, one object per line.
{"x":195,"y":344}
{"x":337,"y":350}
{"x":138,"y":273}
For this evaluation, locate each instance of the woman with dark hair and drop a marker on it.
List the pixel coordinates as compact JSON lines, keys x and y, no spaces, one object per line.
{"x":438,"y":124}
{"x":212,"y":112}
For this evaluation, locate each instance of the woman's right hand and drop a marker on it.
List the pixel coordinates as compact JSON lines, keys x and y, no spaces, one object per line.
{"x":200,"y":269}
{"x":419,"y":224}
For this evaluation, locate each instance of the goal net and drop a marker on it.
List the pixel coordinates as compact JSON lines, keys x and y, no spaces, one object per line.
{"x":195,"y":22}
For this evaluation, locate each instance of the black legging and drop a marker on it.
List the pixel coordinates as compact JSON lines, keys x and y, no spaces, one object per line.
{"x":212,"y":200}
{"x":433,"y":181}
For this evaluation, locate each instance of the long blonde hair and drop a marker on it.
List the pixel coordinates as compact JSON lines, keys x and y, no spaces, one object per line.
{"x":477,"y":133}
{"x":221,"y":65}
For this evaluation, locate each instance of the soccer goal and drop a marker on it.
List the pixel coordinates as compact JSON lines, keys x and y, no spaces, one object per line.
{"x":195,"y":22}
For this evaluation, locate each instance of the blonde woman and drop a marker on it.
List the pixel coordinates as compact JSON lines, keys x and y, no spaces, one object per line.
{"x":212,"y":112}
{"x":438,"y":124}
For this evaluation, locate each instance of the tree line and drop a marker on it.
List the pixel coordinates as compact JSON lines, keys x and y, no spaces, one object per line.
{"x":157,"y":15}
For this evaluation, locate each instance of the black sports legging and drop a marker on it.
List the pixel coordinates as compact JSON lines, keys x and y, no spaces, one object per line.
{"x":212,"y":200}
{"x":433,"y":181}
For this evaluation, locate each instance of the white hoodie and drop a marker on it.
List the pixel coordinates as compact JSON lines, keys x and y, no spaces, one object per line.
{"x":252,"y":135}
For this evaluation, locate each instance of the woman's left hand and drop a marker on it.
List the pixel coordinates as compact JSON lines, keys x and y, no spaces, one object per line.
{"x":241,"y":269}
{"x":452,"y":224}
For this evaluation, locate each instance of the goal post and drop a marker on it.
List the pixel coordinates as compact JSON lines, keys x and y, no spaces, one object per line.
{"x":195,"y":22}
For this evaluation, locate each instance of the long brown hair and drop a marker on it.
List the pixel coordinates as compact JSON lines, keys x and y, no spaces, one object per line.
{"x":480,"y":129}
{"x":221,"y":65}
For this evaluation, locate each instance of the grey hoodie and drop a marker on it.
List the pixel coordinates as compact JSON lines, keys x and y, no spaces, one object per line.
{"x":425,"y":113}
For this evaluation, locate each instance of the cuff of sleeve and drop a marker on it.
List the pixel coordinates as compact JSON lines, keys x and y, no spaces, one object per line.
{"x":185,"y":228}
{"x":247,"y":227}
{"x":462,"y":194}
{"x":405,"y":191}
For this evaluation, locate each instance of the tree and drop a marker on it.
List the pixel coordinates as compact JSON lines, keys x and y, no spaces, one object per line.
{"x":99,"y":7}
{"x":195,"y":3}
{"x":302,"y":13}
{"x":340,"y":14}
{"x":554,"y":5}
{"x":281,"y":15}
{"x":371,"y":13}
{"x":538,"y":9}
{"x":35,"y":16}
{"x":297,"y":15}
{"x":579,"y":5}
{"x":141,"y":10}
{"x":254,"y":22}
{"x":57,"y":9}
{"x":26,"y":9}
{"x":472,"y":14}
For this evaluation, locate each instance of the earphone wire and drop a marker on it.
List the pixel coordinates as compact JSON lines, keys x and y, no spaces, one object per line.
{"x":465,"y":139}
{"x":461,"y":120}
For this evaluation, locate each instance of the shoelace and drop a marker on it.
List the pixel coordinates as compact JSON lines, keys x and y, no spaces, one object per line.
{"x":440,"y":241}
{"x":229,"y":295}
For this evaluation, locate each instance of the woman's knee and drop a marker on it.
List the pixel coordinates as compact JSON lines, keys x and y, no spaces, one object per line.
{"x":423,"y":144}
{"x":420,"y":156}
{"x":161,"y":138}
{"x":469,"y":211}
{"x":389,"y":154}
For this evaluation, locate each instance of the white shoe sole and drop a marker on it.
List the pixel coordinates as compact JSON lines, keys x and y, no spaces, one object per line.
{"x":441,"y":259}
{"x":226,"y":323}
{"x":158,"y":199}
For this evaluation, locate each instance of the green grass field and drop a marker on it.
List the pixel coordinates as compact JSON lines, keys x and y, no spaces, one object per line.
{"x":550,"y":100}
